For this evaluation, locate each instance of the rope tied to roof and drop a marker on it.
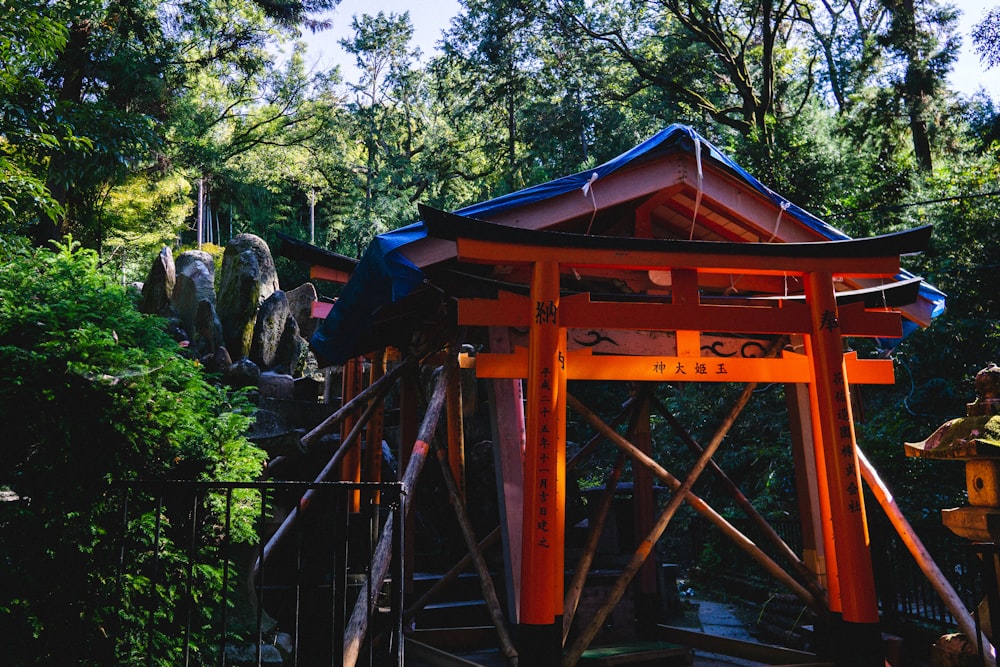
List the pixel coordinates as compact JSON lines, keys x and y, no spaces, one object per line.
{"x":588,"y":188}
{"x":701,"y":178}
{"x":777,"y":223}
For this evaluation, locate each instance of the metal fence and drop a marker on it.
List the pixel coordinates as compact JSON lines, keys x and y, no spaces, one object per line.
{"x":252,"y":574}
{"x":906,"y":598}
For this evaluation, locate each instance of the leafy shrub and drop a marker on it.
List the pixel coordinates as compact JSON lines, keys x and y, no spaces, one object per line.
{"x":92,"y":394}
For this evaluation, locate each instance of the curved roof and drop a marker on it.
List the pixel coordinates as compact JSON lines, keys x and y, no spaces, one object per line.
{"x":673,"y":185}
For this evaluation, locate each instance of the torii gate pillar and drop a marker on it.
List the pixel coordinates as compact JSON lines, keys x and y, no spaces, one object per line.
{"x":539,"y":636}
{"x":856,"y":636}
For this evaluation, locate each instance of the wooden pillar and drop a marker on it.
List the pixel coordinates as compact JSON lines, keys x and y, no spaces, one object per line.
{"x":542,"y":566}
{"x":350,"y":469}
{"x":408,"y":429}
{"x":507,"y":398}
{"x":855,"y":635}
{"x":372,"y":468}
{"x":647,"y":600}
{"x":811,"y":497}
{"x":456,"y":430}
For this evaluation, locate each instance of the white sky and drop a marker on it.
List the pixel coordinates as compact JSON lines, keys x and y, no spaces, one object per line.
{"x":431,"y":17}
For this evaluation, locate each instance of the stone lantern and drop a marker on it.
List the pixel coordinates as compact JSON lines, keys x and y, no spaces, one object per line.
{"x":975,"y":439}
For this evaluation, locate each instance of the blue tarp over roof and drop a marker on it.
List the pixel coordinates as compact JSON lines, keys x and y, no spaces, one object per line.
{"x":386,"y":276}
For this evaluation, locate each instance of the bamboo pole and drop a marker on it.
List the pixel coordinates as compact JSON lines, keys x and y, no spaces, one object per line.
{"x":596,"y":527}
{"x":485,"y":580}
{"x":627,"y":408}
{"x":924,"y":559}
{"x":357,"y":626}
{"x":331,"y":422}
{"x":805,"y":574}
{"x":646,"y":546}
{"x":703,"y":508}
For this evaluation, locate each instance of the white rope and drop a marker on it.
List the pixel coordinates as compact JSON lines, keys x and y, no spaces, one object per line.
{"x":589,"y":189}
{"x":777,"y":223}
{"x":701,"y":177}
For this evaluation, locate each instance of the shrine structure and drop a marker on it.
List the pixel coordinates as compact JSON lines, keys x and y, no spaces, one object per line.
{"x":669,"y":264}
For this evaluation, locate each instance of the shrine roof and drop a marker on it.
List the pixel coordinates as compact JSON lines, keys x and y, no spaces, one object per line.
{"x":675,"y":185}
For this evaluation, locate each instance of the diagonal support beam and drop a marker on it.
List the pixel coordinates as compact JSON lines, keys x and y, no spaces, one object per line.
{"x":804,"y":573}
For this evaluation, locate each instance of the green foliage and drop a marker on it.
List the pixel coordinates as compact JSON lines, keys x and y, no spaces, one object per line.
{"x":93,"y":394}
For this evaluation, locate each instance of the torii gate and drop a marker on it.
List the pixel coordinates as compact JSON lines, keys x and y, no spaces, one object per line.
{"x":684,"y":266}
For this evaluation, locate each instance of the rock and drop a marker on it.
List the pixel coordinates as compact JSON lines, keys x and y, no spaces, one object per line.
{"x":300,"y":301}
{"x":207,"y":337}
{"x":243,"y":373}
{"x":290,"y":357}
{"x":248,"y":277}
{"x":276,"y":385}
{"x":268,"y":330}
{"x":195,"y":283}
{"x":159,"y":285}
{"x":188,"y":257}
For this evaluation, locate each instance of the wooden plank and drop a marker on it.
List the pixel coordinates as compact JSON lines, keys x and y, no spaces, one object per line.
{"x":317,"y":272}
{"x":582,"y":365}
{"x":640,"y":653}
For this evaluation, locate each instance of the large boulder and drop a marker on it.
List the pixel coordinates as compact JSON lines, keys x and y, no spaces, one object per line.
{"x":207,"y":334}
{"x":194,"y":296}
{"x":271,"y":320}
{"x":159,"y":285}
{"x":247,"y":278}
{"x":300,"y":301}
{"x":290,"y":357}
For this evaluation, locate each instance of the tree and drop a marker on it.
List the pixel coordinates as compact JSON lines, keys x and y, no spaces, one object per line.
{"x":732,"y":62}
{"x":922,"y":39}
{"x":116,"y":76}
{"x":30,"y":39}
{"x":986,"y":37}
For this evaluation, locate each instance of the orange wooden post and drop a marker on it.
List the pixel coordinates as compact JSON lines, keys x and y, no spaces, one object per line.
{"x":456,"y":428}
{"x":647,"y":600}
{"x":856,"y":642}
{"x":375,"y":428}
{"x":350,"y":467}
{"x":542,"y":567}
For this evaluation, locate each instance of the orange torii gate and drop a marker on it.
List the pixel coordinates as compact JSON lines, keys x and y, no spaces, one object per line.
{"x":547,"y":364}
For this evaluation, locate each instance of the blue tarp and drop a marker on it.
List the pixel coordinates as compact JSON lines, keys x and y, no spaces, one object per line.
{"x":385,"y":275}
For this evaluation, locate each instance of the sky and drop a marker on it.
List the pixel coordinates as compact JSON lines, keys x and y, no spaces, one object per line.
{"x":431,"y":17}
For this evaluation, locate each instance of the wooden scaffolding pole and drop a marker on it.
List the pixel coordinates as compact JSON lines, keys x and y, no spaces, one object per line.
{"x":700,"y":506}
{"x":594,"y":531}
{"x":807,"y":576}
{"x":482,"y":569}
{"x":575,"y":651}
{"x":924,"y":559}
{"x":357,"y":626}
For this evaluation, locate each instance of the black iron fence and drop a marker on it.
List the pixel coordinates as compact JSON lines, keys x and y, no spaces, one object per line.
{"x":905,"y":595}
{"x":252,"y":574}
